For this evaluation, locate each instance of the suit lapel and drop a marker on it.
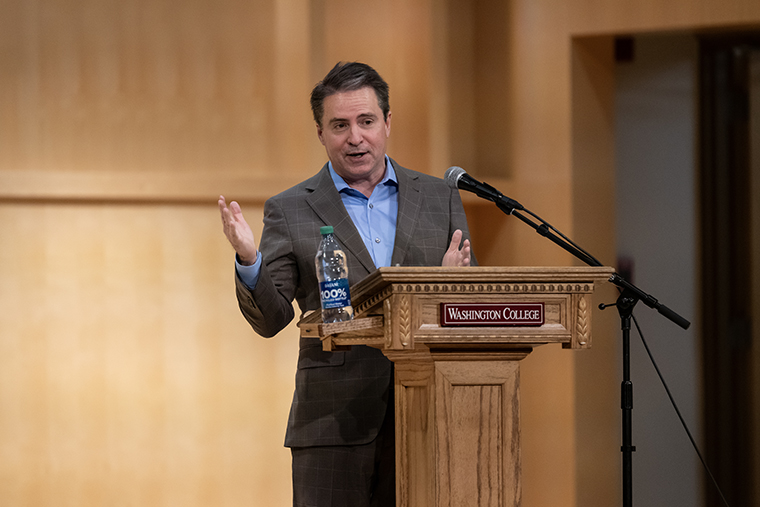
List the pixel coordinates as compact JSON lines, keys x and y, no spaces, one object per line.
{"x":328,"y":205}
{"x":409,"y":203}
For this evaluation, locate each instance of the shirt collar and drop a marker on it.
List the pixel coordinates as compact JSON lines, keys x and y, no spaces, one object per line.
{"x":341,"y":185}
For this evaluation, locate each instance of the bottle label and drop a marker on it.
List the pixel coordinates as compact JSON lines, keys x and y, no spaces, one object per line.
{"x":334,"y":294}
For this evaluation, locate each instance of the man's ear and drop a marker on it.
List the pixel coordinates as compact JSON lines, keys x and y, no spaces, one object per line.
{"x":319,"y":134}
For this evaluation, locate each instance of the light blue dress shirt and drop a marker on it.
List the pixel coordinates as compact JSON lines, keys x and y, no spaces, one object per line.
{"x":374,"y":217}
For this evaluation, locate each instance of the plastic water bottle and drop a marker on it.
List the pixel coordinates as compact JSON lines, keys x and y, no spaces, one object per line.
{"x":332,"y":272}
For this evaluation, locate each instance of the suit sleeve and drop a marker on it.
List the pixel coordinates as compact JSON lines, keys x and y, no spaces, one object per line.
{"x":269,"y":307}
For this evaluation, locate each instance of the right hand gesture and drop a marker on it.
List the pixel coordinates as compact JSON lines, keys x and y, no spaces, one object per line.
{"x":238,"y":232}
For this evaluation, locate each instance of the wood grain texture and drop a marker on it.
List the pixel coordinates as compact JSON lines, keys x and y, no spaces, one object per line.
{"x":415,"y":438}
{"x":410,"y":298}
{"x":457,"y":389}
{"x":127,"y":375}
{"x":118,"y":384}
{"x":478,"y":427}
{"x":458,"y":440}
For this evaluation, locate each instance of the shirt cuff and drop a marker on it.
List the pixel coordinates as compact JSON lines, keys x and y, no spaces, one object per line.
{"x":249,"y":275}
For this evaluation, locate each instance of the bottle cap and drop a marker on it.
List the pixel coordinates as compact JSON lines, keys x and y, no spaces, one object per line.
{"x":327,"y":229}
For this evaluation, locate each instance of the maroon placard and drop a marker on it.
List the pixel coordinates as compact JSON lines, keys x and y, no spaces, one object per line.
{"x":492,"y":314}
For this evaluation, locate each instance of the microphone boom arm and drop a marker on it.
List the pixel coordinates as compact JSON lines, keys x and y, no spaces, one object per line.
{"x":456,"y":177}
{"x":544,"y":231}
{"x":506,"y":206}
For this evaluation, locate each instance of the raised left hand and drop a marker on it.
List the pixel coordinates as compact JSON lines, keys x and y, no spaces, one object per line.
{"x":456,"y":256}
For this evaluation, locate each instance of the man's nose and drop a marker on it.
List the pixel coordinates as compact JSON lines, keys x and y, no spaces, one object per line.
{"x":355,"y":135}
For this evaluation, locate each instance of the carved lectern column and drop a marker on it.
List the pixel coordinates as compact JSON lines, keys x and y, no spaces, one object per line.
{"x":457,"y":431}
{"x":457,"y":388}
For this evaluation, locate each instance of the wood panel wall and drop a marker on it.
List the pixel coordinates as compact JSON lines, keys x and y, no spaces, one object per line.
{"x":127,"y":376}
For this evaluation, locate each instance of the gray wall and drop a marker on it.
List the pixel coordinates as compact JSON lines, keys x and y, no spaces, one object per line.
{"x":656,"y":151}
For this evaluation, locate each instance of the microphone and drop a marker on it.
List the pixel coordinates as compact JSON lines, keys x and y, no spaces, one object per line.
{"x":456,"y":177}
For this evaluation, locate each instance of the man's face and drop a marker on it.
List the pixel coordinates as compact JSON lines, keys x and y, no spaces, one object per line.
{"x":354,"y":134}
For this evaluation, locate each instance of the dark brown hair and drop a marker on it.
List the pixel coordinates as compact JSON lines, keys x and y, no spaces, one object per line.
{"x":346,"y":77}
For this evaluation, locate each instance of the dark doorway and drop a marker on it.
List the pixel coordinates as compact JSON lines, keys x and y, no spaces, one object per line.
{"x":726,"y":182}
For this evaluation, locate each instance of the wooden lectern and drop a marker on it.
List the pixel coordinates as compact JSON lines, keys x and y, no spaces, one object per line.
{"x":458,"y":386}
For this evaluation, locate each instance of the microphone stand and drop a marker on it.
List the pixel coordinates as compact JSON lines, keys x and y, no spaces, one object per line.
{"x":630,"y":295}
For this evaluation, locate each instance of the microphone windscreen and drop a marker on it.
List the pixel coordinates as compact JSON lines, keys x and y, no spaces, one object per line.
{"x":452,"y":176}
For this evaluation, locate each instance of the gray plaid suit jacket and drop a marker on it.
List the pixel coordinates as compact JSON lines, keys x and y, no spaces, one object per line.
{"x":340,"y":397}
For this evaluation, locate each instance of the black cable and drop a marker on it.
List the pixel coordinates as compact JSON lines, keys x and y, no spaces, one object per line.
{"x":678,"y":412}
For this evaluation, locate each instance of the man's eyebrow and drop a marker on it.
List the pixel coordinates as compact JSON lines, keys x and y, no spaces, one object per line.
{"x":343,"y":120}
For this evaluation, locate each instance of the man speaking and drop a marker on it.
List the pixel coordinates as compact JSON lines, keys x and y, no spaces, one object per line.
{"x":341,"y":424}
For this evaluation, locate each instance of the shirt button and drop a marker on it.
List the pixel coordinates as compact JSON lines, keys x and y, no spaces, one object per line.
{"x":371,"y":205}
{"x":377,"y":240}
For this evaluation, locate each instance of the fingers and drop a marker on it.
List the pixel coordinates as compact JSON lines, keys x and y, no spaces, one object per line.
{"x":230,"y":215}
{"x":235,"y":208}
{"x":222,"y":205}
{"x":224,"y":210}
{"x":456,"y":238}
{"x":226,"y":215}
{"x":456,"y":256}
{"x":237,"y":231}
{"x":465,"y":253}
